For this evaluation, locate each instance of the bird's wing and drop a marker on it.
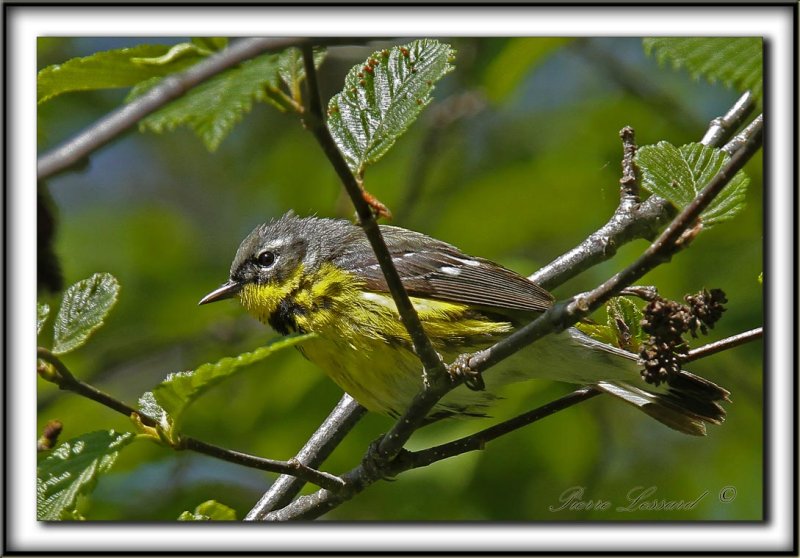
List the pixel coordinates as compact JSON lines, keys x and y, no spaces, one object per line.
{"x":433,"y":269}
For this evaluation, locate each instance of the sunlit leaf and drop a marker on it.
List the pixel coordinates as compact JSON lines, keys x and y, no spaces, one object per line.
{"x":72,"y":470}
{"x":735,"y":61}
{"x":179,"y":390}
{"x":383,"y":96}
{"x":624,"y":322}
{"x":108,"y":69}
{"x":210,"y":510}
{"x":678,"y":174}
{"x":42,"y":312}
{"x":84,"y":306}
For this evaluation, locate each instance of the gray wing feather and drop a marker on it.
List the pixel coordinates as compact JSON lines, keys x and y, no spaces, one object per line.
{"x":430,"y":268}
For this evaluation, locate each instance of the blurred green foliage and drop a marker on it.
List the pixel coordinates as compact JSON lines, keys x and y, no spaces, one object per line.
{"x":519,"y":179}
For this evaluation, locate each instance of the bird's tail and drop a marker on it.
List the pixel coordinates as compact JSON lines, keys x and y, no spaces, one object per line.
{"x":685,"y":405}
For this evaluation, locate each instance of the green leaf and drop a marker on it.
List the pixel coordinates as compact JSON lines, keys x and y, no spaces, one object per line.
{"x":42,"y":312}
{"x":212,"y":108}
{"x":382,"y":98}
{"x":150,"y":407}
{"x":599,"y":332}
{"x":83,"y":308}
{"x":177,"y":52}
{"x":211,"y":43}
{"x":108,"y":69}
{"x":210,"y":510}
{"x":678,"y":174}
{"x":72,"y":469}
{"x":292,"y":71}
{"x":179,"y":390}
{"x":623,"y":327}
{"x":735,"y":61}
{"x":625,"y":323}
{"x":515,"y":61}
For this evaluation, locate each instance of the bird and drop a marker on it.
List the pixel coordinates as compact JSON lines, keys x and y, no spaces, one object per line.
{"x":321,"y":276}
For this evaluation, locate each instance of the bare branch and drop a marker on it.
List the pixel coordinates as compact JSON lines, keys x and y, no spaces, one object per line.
{"x":65,"y":380}
{"x":341,"y":420}
{"x":722,"y":127}
{"x":741,"y":138}
{"x":723,"y":345}
{"x":477,"y":441}
{"x":629,"y":183}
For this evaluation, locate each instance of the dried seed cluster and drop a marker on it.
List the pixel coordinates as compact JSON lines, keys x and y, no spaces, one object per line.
{"x":667,"y":321}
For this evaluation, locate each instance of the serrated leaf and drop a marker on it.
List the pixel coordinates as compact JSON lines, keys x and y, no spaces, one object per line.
{"x":42,"y":312}
{"x":213,"y":108}
{"x":83,"y":308}
{"x":624,"y":322}
{"x":382,"y":98}
{"x":735,"y":61}
{"x":72,"y":470}
{"x":179,"y":390}
{"x":108,"y":69}
{"x":679,"y":174}
{"x":515,"y":61}
{"x":210,"y":510}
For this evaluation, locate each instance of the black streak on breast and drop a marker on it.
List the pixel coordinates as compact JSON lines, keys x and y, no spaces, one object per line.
{"x":284,"y":318}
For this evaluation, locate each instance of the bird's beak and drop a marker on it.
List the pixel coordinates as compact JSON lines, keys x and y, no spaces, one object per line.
{"x":228,"y":290}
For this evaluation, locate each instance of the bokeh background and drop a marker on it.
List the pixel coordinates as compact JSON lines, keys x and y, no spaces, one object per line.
{"x":516,"y":160}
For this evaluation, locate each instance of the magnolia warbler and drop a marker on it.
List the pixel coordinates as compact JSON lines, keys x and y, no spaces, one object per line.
{"x":321,"y":275}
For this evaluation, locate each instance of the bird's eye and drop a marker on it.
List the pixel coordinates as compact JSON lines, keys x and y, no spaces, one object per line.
{"x":265,"y":259}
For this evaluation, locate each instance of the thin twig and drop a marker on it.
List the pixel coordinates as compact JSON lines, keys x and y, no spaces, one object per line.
{"x":740,"y":139}
{"x":477,"y":441}
{"x":722,"y":127}
{"x":723,"y":344}
{"x":316,"y":450}
{"x":65,"y":380}
{"x":434,"y":370}
{"x":628,"y":184}
{"x":291,"y":467}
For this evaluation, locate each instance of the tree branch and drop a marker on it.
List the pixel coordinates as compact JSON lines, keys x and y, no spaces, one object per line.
{"x":722,"y":127}
{"x":723,"y":345}
{"x":341,"y":420}
{"x":565,"y":314}
{"x":65,"y":380}
{"x":477,"y":441}
{"x":633,"y":221}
